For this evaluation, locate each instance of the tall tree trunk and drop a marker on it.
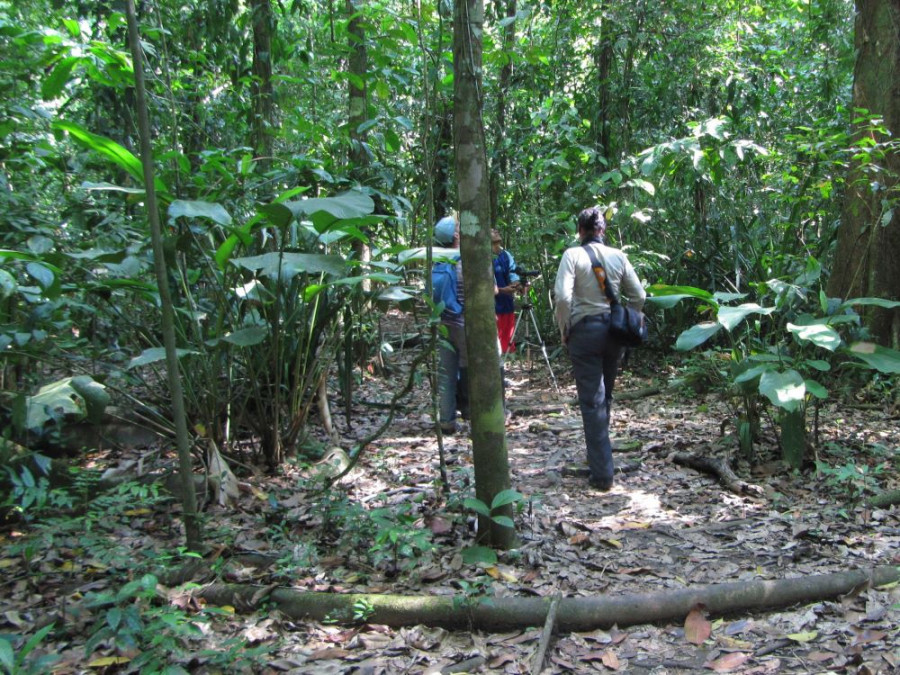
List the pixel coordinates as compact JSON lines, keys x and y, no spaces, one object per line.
{"x":356,"y":350}
{"x":500,"y":165}
{"x":604,"y":57}
{"x":193,"y":536}
{"x":485,"y":384}
{"x":358,"y":112}
{"x":866,"y":262}
{"x":263,"y":107}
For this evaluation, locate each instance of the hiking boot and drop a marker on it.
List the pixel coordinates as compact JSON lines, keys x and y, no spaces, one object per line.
{"x":601,"y":485}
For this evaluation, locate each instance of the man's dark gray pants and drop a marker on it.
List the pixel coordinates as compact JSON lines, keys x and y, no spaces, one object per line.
{"x":595,"y":361}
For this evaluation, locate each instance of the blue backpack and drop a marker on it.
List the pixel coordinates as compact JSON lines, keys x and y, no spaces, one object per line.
{"x":444,"y":287}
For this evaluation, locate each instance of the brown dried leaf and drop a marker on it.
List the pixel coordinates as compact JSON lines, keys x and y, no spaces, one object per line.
{"x":610,"y":660}
{"x":866,"y":636}
{"x":502,"y":660}
{"x":696,"y":628}
{"x":729,"y":662}
{"x":329,"y":653}
{"x":580,"y":539}
{"x":440,"y":525}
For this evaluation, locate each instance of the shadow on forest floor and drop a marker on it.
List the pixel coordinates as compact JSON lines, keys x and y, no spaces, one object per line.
{"x":662,"y":527}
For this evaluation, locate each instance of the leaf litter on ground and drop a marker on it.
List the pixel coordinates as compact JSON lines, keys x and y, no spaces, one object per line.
{"x":662,"y":527}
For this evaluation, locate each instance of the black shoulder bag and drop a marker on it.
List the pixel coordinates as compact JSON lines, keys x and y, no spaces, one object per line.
{"x":627,"y":326}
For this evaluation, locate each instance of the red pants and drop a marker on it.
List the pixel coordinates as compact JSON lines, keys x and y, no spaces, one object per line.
{"x":506,"y":324}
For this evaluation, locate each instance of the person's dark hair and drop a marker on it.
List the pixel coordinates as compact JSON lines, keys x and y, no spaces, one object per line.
{"x":592,"y":220}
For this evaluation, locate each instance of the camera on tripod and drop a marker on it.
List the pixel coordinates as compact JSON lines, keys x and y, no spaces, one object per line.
{"x":528,"y":273}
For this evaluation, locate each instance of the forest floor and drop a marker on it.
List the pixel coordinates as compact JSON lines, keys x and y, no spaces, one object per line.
{"x":387,"y":528}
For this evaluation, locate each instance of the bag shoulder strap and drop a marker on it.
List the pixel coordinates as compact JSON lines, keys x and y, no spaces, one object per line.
{"x":600,"y":273}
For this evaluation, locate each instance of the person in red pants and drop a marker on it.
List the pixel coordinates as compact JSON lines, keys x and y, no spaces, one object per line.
{"x":508,"y":284}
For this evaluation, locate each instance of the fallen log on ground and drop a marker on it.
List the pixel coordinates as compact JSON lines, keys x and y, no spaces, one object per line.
{"x":885,"y":499}
{"x":573,"y":614}
{"x":720,"y":469}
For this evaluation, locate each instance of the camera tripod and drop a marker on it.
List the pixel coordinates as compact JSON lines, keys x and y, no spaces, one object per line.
{"x":526,"y":311}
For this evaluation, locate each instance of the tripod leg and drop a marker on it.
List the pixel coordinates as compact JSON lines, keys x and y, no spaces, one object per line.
{"x":512,"y":339}
{"x":543,"y":349}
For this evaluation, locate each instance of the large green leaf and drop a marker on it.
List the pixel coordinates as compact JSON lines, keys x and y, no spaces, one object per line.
{"x":114,"y":152}
{"x":877,"y":302}
{"x":505,"y":497}
{"x":199,"y":209}
{"x":820,"y":334}
{"x":683,"y":291}
{"x":882,"y":359}
{"x":752,"y":373}
{"x":667,"y":301}
{"x":247,"y":337}
{"x":475,"y":555}
{"x":816,"y":389}
{"x":721,"y":296}
{"x":98,"y":255}
{"x":697,"y":335}
{"x":79,"y":396}
{"x":155,"y":354}
{"x":109,"y":187}
{"x":94,"y":394}
{"x":438,"y":254}
{"x":52,"y":86}
{"x":786,"y":389}
{"x":288,"y":265}
{"x":351,"y":204}
{"x":730,"y":317}
{"x":8,"y":284}
{"x":477,"y":506}
{"x":6,"y":254}
{"x":395,"y":294}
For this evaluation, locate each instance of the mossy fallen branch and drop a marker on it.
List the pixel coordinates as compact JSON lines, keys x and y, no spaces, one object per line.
{"x":573,"y":614}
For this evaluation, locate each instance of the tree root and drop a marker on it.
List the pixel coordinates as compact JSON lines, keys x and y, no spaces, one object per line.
{"x":720,"y":469}
{"x":574,"y":614}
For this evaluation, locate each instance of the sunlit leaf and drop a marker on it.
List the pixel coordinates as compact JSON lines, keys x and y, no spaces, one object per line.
{"x":52,"y":86}
{"x":685,"y":291}
{"x":94,"y":395}
{"x":107,"y":661}
{"x":819,"y":334}
{"x":730,"y":317}
{"x":786,"y":389}
{"x":351,"y":204}
{"x":215,"y":212}
{"x":882,"y":359}
{"x":804,"y":637}
{"x":438,"y":254}
{"x":113,"y":151}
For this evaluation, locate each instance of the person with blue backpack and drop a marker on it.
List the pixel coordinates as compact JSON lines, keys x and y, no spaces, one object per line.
{"x":508,"y":284}
{"x":447,"y":288}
